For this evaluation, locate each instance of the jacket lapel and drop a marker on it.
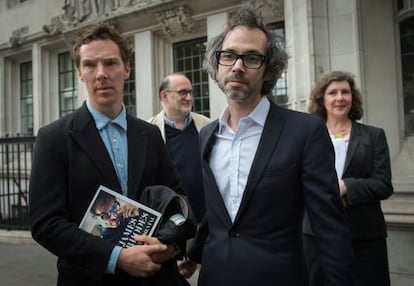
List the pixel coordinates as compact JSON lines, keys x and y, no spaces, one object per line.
{"x":84,"y":132}
{"x":206,"y":144}
{"x":354,"y":142}
{"x":267,"y":145}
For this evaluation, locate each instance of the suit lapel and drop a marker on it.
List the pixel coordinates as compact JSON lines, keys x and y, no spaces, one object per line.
{"x":267,"y":145}
{"x":84,"y":132}
{"x":206,"y":144}
{"x":354,"y":142}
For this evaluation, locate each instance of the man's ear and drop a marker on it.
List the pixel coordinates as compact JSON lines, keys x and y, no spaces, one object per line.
{"x":163,"y":95}
{"x":127,"y":71}
{"x":79,"y":75}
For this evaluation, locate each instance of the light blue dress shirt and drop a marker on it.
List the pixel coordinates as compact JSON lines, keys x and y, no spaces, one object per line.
{"x":114,"y":136}
{"x":233,"y":153}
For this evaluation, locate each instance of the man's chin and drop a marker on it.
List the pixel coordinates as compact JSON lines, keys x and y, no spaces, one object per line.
{"x":186,"y":110}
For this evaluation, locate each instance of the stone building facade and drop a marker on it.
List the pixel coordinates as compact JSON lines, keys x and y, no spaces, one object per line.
{"x":373,"y":39}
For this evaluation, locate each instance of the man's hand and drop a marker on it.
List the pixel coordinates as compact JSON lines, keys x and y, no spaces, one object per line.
{"x":137,"y":260}
{"x":186,"y":268}
{"x":161,"y":256}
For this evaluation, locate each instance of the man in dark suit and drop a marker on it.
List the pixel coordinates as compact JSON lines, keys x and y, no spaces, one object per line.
{"x":262,"y":165}
{"x":99,"y":144}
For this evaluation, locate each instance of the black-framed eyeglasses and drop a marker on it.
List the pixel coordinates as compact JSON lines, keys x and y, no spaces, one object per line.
{"x":108,"y":213}
{"x":182,"y":92}
{"x":250,"y":61}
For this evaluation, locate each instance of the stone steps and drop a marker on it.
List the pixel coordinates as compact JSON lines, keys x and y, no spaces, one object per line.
{"x":399,"y":208}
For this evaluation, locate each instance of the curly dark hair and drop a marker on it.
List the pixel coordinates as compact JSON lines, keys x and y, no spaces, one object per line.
{"x":276,"y":58}
{"x":101,"y":31}
{"x":316,"y":105}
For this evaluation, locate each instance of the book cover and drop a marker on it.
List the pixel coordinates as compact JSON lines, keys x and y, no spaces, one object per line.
{"x":117,"y":218}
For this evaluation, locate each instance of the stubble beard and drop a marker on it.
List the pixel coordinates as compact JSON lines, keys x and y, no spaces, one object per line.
{"x":237,"y":95}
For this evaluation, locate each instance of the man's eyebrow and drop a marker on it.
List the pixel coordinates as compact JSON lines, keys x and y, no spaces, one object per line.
{"x":101,"y":59}
{"x":252,"y":51}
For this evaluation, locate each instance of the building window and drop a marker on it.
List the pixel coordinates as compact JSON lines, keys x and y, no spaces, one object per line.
{"x":26,"y":99}
{"x":188,"y":58}
{"x":130,"y":91}
{"x":280,"y":90}
{"x":67,"y":84}
{"x":407,"y":61}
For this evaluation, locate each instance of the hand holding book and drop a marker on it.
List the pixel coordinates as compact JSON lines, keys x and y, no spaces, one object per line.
{"x":117,"y":218}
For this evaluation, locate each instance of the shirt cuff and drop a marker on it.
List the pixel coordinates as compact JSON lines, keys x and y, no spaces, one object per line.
{"x":110,"y":268}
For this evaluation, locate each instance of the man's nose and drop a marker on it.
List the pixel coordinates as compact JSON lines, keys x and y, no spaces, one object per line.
{"x":101,"y":72}
{"x":238,"y":64}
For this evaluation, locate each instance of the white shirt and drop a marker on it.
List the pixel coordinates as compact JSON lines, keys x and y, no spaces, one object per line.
{"x":233,"y":153}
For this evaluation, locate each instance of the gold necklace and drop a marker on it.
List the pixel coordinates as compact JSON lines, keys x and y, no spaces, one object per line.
{"x":342,"y":133}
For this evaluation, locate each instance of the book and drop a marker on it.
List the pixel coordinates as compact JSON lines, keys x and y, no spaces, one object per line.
{"x":117,"y":218}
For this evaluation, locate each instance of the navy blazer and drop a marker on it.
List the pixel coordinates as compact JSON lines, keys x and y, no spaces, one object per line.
{"x":367,"y":175}
{"x":70,"y":162}
{"x":293,"y":167}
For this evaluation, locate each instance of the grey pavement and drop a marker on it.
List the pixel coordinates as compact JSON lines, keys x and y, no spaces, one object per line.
{"x":26,"y":263}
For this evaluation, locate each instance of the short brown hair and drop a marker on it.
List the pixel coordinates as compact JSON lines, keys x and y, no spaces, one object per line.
{"x":101,"y":31}
{"x":316,"y":105}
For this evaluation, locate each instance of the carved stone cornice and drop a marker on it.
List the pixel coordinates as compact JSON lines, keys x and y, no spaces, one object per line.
{"x":266,"y":7}
{"x":176,"y":22}
{"x":80,"y":12}
{"x":18,"y":36}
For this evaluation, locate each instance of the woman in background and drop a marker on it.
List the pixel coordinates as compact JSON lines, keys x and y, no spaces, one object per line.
{"x":364,"y":176}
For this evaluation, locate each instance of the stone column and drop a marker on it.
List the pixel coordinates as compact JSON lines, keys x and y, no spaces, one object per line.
{"x":37,"y":87}
{"x":2,"y":98}
{"x":144,"y":73}
{"x":300,"y":75}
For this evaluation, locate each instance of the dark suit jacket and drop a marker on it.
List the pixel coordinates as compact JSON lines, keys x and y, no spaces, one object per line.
{"x":293,"y":167}
{"x":70,"y":162}
{"x":367,"y":175}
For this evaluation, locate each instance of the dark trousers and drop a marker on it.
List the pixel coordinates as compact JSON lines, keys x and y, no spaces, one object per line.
{"x":370,"y":266}
{"x":315,"y":273}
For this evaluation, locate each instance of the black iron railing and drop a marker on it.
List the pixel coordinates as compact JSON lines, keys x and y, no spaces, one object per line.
{"x":15,"y":166}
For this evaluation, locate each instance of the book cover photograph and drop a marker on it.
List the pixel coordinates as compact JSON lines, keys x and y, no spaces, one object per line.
{"x":117,"y":218}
